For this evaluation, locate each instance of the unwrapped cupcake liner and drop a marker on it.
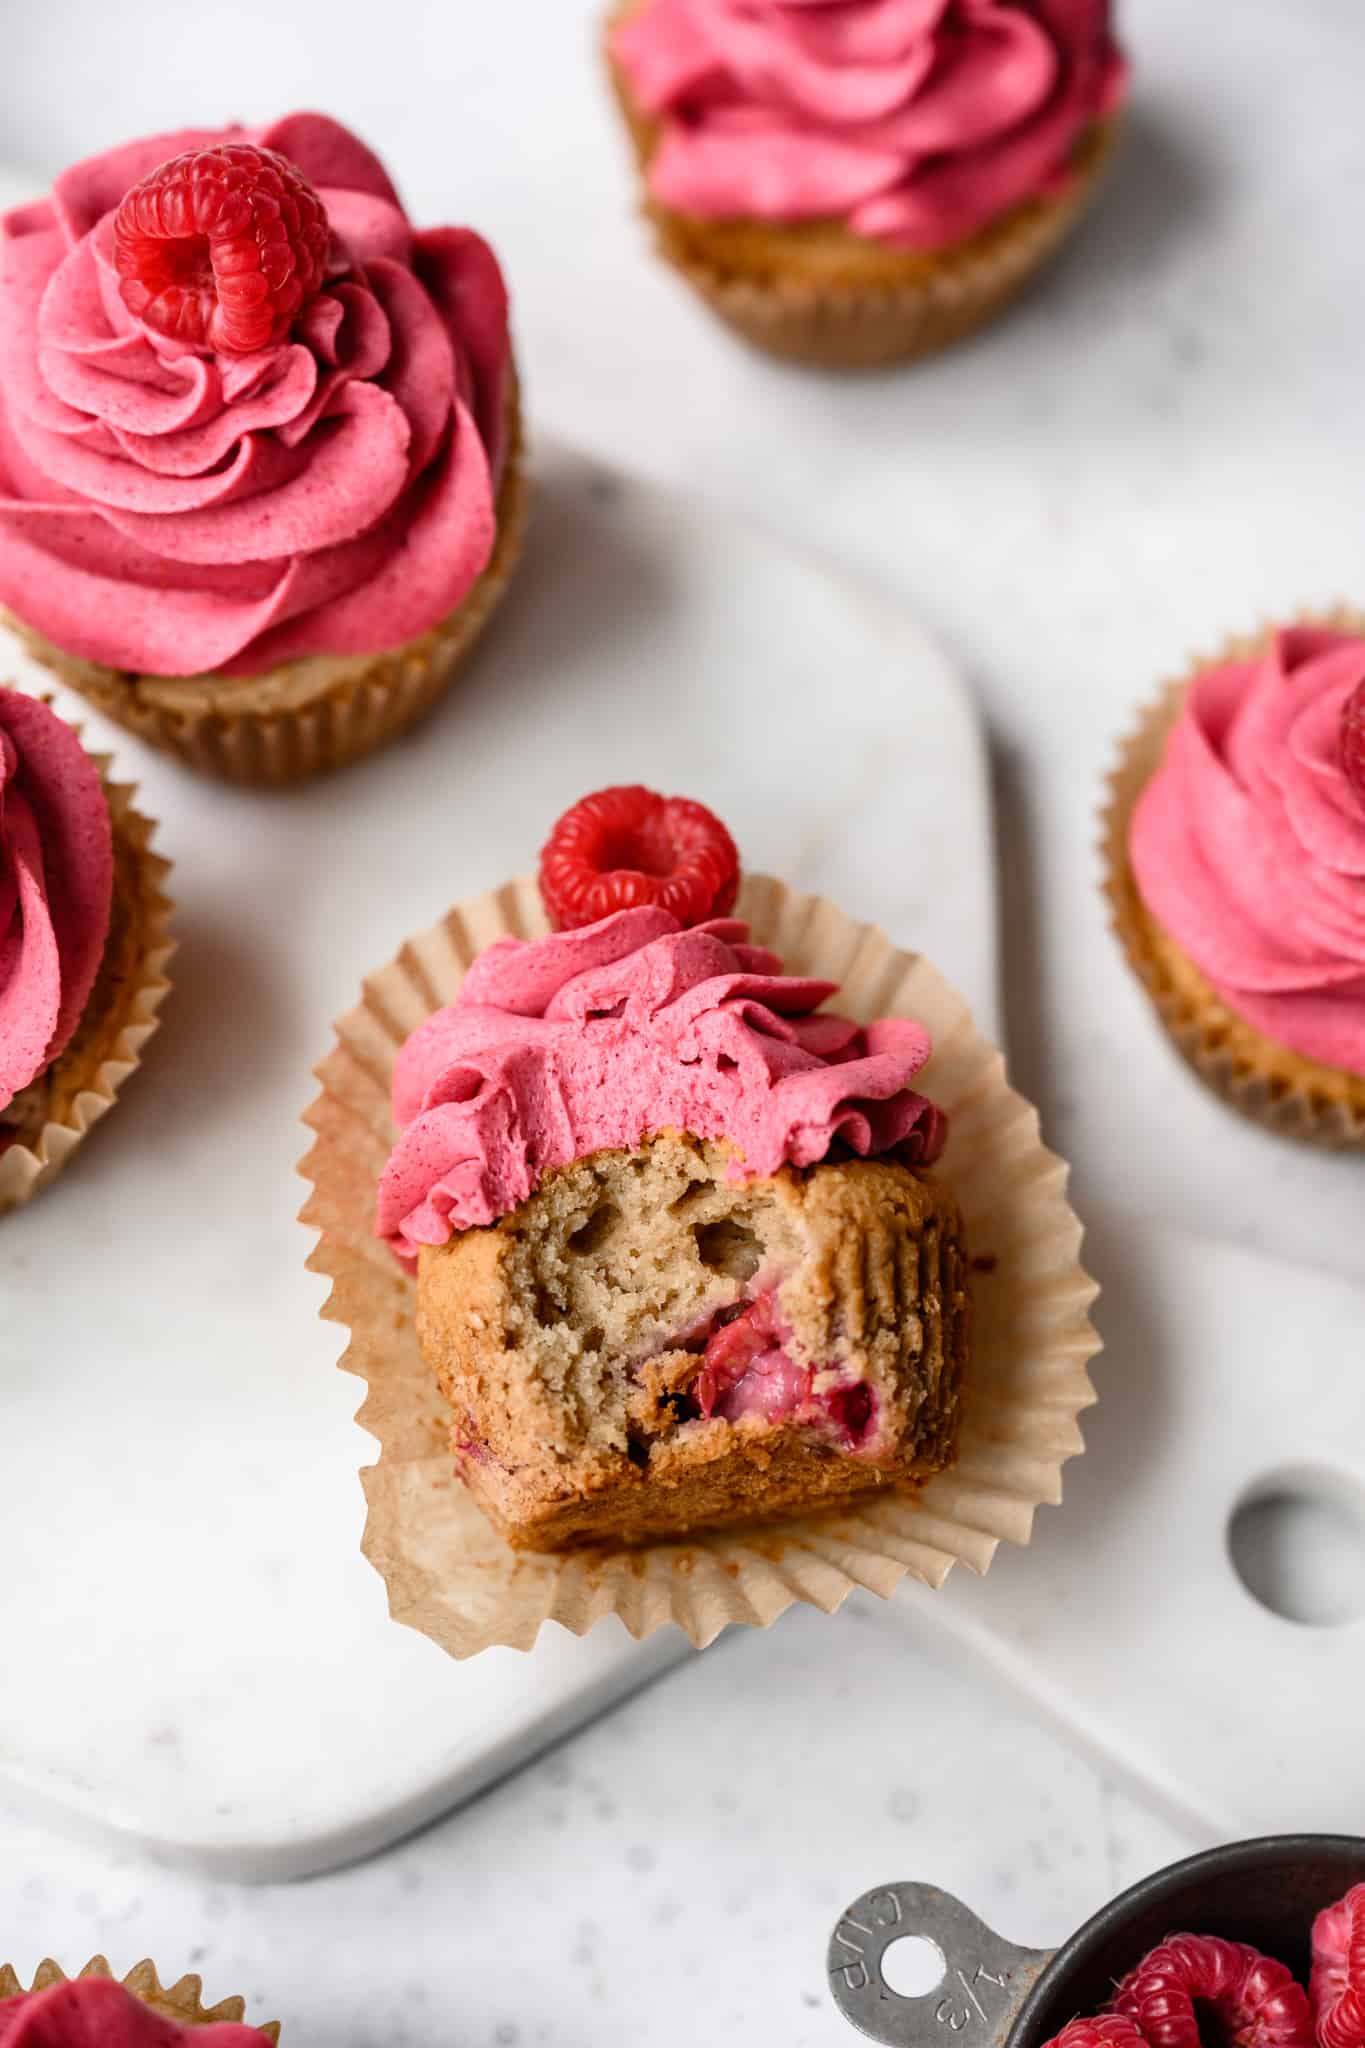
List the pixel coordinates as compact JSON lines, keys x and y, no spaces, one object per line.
{"x":182,"y":2001}
{"x":452,"y":1577}
{"x":1274,"y":1086}
{"x":120,"y":1016}
{"x":308,"y":716}
{"x":847,"y":326}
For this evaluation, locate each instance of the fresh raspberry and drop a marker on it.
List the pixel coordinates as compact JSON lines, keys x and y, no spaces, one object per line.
{"x":1353,"y":739}
{"x":221,"y":248}
{"x":1252,"y":2000}
{"x":1337,"y":1985}
{"x":620,"y":848}
{"x":1108,"y":2030}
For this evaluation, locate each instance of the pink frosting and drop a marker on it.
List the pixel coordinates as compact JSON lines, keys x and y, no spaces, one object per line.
{"x":914,"y":121}
{"x":94,"y":2012}
{"x":56,"y":885}
{"x":176,"y":512}
{"x":1248,"y":844}
{"x":589,"y":1040}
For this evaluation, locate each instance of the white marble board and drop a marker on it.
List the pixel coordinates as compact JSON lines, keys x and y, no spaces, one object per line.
{"x":207,"y":1668}
{"x":1229,"y":1379}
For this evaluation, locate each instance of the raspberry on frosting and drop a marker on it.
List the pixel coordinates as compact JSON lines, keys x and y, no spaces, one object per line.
{"x":622,"y":847}
{"x":221,"y":248}
{"x":178,"y":509}
{"x":914,"y":121}
{"x":1248,"y":843}
{"x":56,"y":886}
{"x":590,"y":1040}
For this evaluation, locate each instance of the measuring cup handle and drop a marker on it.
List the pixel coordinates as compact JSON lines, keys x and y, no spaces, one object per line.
{"x":984,"y":1983}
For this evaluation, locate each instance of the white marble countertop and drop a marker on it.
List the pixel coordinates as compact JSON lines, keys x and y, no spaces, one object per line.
{"x":1160,"y":447}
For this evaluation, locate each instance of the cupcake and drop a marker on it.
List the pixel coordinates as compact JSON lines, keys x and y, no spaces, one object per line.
{"x":862,"y":182}
{"x":672,"y":1309}
{"x":1235,"y":853}
{"x":83,"y":943}
{"x":85,"y":2010}
{"x":260,"y":481}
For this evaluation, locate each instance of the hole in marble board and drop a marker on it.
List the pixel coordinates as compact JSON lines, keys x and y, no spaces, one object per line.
{"x":1297,"y":1543}
{"x":913,"y":1966}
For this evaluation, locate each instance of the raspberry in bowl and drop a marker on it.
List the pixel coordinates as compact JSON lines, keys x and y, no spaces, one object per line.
{"x":1258,"y":1944}
{"x":673,"y":1277}
{"x":260,"y":478}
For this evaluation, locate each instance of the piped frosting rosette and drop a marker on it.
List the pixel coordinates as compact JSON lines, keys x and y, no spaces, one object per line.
{"x":915,"y":122}
{"x":860,"y":182}
{"x":100,"y":2011}
{"x":82,"y":942}
{"x":1235,"y":851}
{"x":56,"y":887}
{"x":588,"y":1041}
{"x":801,"y":1079}
{"x":193,"y":534}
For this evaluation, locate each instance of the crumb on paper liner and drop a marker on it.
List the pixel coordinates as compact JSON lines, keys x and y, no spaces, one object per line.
{"x":450,"y":1576}
{"x":119,"y":1018}
{"x":309,"y":716}
{"x":181,"y":2001}
{"x":1280,"y":1089}
{"x":889,"y":318}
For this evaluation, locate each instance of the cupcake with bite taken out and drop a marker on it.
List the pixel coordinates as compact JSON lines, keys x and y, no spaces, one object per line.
{"x":83,"y":943}
{"x":1235,"y":852}
{"x":699,"y":1296}
{"x":94,"y":2010}
{"x":260,"y":485}
{"x":859,"y":182}
{"x":678,"y":1264}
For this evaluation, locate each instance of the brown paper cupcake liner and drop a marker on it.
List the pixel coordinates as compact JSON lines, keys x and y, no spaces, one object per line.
{"x":308,"y":716}
{"x":447,"y":1572}
{"x":181,"y":2001}
{"x":43,"y":1126}
{"x":1274,"y":1086}
{"x":889,"y":306}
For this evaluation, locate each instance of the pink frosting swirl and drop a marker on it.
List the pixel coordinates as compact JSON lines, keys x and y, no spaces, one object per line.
{"x":914,"y":121}
{"x":176,"y":512}
{"x":1248,"y":844}
{"x":56,"y":886}
{"x":94,"y":2012}
{"x":587,"y":1041}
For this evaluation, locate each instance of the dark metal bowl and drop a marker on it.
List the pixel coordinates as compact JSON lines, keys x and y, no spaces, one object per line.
{"x":994,"y":1995}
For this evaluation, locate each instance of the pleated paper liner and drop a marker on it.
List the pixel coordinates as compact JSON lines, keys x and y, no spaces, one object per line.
{"x":821,"y":296}
{"x":1274,"y":1086}
{"x":309,"y":716}
{"x":44,"y":1125}
{"x":450,"y":1576}
{"x":181,"y":2001}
